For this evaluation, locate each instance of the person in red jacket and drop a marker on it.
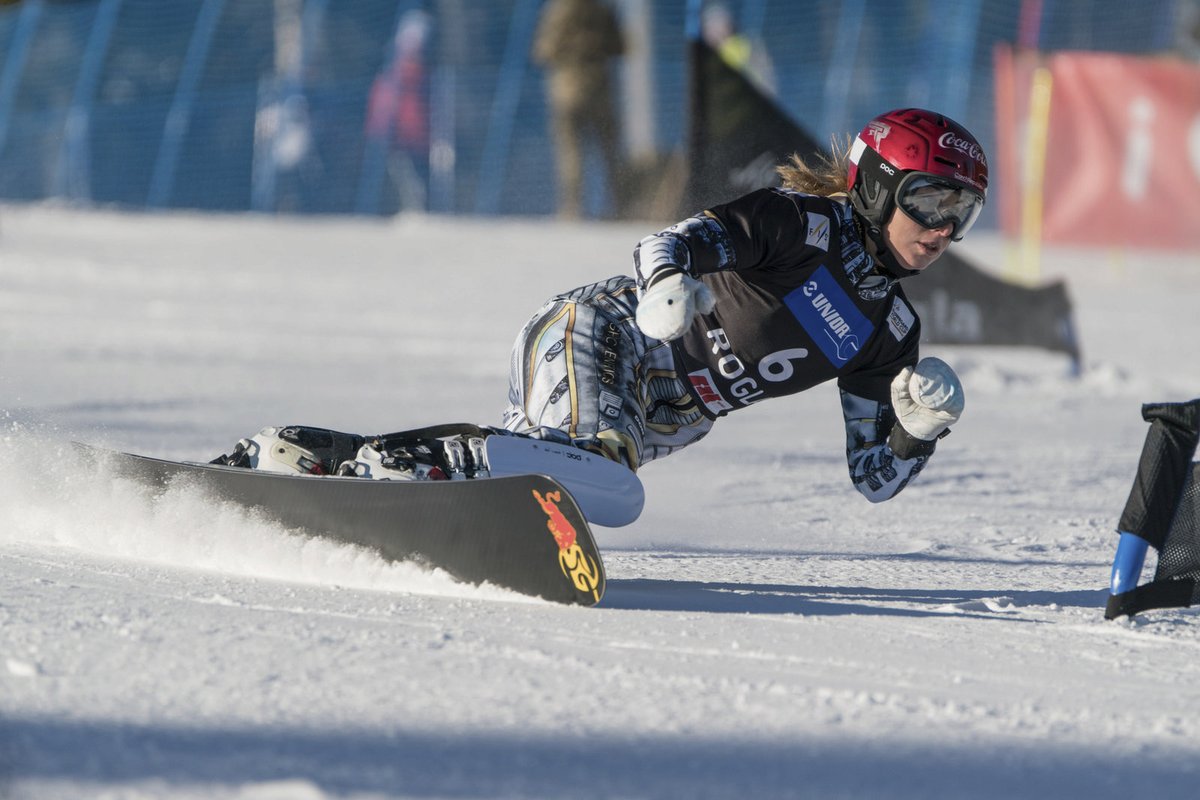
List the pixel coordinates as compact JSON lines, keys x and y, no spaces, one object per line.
{"x":397,"y":120}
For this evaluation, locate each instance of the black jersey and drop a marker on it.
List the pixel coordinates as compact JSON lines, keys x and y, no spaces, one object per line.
{"x":799,"y":301}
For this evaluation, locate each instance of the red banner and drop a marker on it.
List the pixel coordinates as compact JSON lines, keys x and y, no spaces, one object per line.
{"x":1121,"y":151}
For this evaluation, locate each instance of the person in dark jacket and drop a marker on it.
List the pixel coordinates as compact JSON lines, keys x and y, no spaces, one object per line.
{"x":761,"y":297}
{"x":764,"y":296}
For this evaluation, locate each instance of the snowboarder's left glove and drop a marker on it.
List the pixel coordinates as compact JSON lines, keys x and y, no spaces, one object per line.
{"x":927,"y":401}
{"x":669,"y":305}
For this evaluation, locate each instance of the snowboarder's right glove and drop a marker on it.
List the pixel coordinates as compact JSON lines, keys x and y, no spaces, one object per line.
{"x":927,"y":401}
{"x":668,"y":306}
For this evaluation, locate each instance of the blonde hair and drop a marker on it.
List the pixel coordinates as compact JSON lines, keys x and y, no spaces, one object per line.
{"x":825,"y":176}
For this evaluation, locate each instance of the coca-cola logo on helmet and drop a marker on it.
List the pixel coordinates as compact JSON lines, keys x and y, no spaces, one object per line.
{"x":952,"y":141}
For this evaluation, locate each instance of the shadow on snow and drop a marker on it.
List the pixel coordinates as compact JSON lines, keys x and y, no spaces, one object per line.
{"x":510,"y":763}
{"x":748,"y":598}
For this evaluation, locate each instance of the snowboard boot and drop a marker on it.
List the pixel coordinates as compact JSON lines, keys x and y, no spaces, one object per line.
{"x":292,"y":449}
{"x":455,"y":457}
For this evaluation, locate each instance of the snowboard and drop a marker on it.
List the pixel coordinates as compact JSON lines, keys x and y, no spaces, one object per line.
{"x":522,"y":532}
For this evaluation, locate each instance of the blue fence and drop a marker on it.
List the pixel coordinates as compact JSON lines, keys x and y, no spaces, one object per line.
{"x":262,"y":104}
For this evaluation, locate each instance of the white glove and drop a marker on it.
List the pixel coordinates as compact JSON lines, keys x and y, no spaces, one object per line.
{"x":667,"y":308}
{"x":927,"y":400}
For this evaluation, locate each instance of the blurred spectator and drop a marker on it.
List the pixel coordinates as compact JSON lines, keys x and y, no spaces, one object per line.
{"x":720,"y":32}
{"x":284,"y":129}
{"x":575,"y":41}
{"x":397,"y":127}
{"x":1187,"y":30}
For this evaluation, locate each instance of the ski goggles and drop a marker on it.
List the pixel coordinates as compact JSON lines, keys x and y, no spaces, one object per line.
{"x":934,"y":202}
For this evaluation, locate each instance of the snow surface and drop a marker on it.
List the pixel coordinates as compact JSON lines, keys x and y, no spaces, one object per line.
{"x":766,"y":632}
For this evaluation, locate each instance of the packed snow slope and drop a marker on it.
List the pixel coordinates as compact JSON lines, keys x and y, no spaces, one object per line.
{"x":766,"y":633}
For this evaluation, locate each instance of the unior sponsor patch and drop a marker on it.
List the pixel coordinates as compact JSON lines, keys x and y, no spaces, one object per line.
{"x":830,"y":317}
{"x":900,"y":319}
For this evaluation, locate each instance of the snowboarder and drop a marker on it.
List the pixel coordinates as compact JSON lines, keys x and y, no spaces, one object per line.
{"x":761,"y":297}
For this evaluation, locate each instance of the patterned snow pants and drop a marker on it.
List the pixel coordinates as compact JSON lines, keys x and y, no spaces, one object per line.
{"x":584,"y":374}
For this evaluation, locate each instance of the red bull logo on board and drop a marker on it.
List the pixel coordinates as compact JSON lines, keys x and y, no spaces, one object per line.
{"x":574,"y":563}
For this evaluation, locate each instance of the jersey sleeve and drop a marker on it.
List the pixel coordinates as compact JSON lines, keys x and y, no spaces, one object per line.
{"x":761,"y":230}
{"x":876,"y":471}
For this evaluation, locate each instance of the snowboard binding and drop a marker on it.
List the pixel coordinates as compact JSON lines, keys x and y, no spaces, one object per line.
{"x":446,"y":452}
{"x":454,"y":460}
{"x":294,"y":448}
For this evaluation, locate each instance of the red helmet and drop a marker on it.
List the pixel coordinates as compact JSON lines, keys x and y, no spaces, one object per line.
{"x":922,"y":162}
